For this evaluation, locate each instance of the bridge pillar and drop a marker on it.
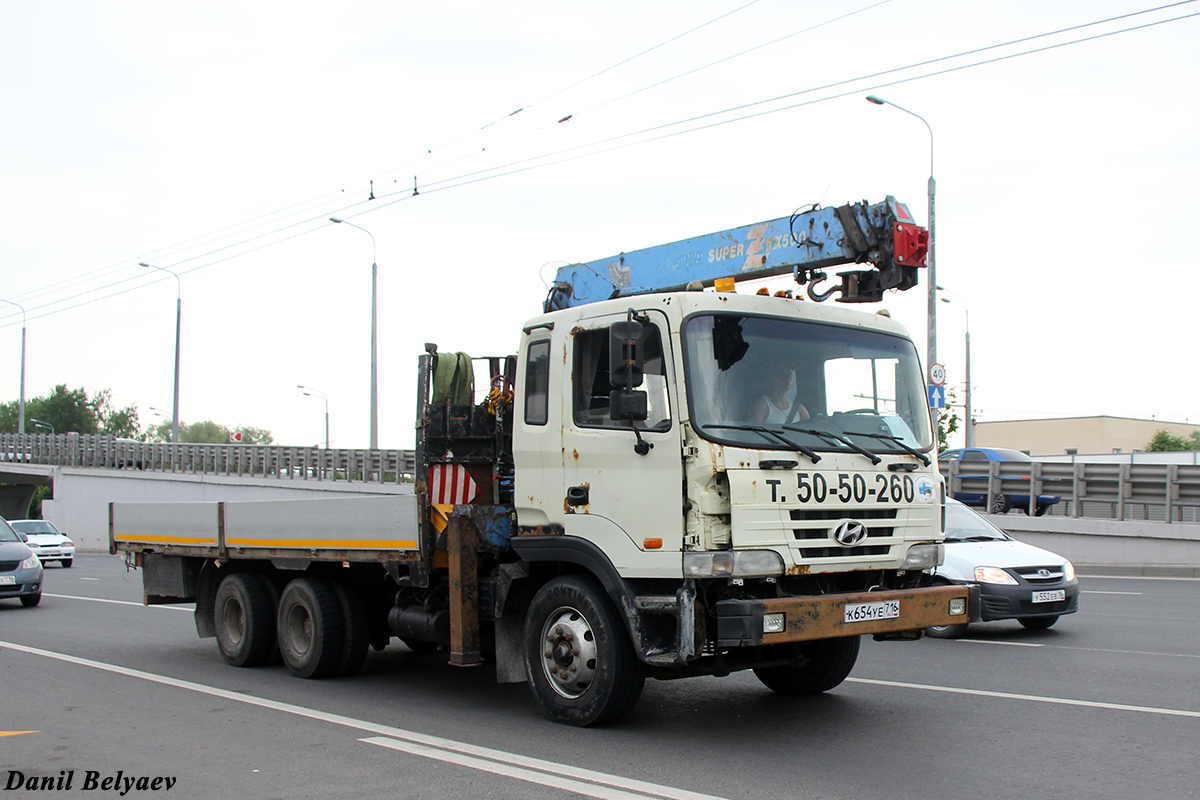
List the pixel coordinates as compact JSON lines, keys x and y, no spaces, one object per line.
{"x":15,"y":500}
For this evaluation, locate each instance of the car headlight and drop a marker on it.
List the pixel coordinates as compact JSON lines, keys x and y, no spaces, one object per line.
{"x":1068,"y":572}
{"x":733,"y":564}
{"x":993,"y":575}
{"x":31,"y":562}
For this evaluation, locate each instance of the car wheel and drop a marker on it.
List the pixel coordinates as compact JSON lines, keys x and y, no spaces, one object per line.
{"x":244,"y":616}
{"x":947,"y":631}
{"x":311,"y":628}
{"x":67,"y":562}
{"x":1038,"y":623}
{"x":31,"y":600}
{"x":1000,"y":504}
{"x":1042,"y":509}
{"x":581,"y":665}
{"x":826,"y":663}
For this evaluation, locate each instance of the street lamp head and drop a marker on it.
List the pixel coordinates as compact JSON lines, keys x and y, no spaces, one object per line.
{"x":879,"y":101}
{"x":334,"y":219}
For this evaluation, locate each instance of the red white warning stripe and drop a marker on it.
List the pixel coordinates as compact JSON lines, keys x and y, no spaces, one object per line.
{"x":450,"y":484}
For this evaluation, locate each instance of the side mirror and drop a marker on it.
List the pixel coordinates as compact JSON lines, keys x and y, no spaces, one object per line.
{"x":625,"y":353}
{"x":24,"y":538}
{"x":630,"y":404}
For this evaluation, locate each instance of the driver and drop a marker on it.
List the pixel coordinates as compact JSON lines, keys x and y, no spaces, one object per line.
{"x":776,"y":402}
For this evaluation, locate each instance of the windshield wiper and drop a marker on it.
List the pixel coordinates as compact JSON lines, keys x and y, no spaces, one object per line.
{"x":887,"y":437}
{"x":862,"y":451}
{"x":812,"y":454}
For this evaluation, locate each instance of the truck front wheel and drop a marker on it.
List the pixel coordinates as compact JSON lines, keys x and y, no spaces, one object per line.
{"x":311,"y":628}
{"x":244,"y":616}
{"x":826,"y":663}
{"x":581,"y":665}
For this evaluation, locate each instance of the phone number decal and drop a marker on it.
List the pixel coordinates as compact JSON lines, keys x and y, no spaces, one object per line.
{"x":843,"y":487}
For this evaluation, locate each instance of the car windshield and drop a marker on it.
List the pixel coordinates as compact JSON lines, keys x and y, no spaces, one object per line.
{"x":964,"y":525}
{"x":7,"y":534}
{"x":32,"y":526}
{"x":783,"y":384}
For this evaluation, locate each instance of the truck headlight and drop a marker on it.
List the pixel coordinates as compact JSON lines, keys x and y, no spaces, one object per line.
{"x":733,"y":564}
{"x":923,"y":556}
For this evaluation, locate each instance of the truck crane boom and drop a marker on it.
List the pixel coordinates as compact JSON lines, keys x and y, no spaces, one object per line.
{"x":882,"y":235}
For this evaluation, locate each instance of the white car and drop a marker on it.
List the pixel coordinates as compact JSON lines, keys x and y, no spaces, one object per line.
{"x":1016,"y":580}
{"x":46,"y":541}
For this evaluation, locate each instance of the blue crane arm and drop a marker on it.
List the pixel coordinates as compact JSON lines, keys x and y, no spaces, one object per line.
{"x":882,"y":236}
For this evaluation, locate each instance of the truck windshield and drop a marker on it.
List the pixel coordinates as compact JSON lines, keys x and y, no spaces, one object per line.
{"x":816,"y":384}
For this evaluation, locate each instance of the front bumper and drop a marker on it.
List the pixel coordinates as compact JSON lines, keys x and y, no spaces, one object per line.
{"x":740,"y":622}
{"x":999,"y":601}
{"x":28,"y":582}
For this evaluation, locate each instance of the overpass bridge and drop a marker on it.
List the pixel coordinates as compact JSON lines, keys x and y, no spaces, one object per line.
{"x":1111,"y":515}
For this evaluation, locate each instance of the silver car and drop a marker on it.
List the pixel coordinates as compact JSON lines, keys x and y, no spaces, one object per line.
{"x":47,"y":541}
{"x":20,"y":568}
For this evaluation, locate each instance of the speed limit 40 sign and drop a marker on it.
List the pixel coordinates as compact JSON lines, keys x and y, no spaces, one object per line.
{"x":937,"y":374}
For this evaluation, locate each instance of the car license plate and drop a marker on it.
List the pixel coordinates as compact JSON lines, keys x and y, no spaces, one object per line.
{"x":8,"y":580}
{"x":861,"y":612}
{"x":1050,"y":597}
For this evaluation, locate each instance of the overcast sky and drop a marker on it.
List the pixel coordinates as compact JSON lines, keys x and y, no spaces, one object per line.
{"x":215,"y":139}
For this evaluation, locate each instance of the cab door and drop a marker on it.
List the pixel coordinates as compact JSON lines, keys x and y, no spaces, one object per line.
{"x":630,"y":505}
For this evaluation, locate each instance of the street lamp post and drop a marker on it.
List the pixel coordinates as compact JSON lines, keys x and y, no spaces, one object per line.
{"x":21,"y":408}
{"x":178,"y":321}
{"x":311,"y":392}
{"x":929,"y":259}
{"x":969,"y":421}
{"x":374,"y":359}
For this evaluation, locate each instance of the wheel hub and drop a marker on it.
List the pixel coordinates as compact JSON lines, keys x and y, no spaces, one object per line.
{"x":568,"y":652}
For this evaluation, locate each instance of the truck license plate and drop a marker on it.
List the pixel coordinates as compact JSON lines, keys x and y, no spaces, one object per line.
{"x":8,"y":580}
{"x":861,"y":612}
{"x":1050,"y":597}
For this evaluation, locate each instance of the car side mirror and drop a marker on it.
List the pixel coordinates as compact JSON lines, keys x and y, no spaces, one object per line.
{"x":24,"y":538}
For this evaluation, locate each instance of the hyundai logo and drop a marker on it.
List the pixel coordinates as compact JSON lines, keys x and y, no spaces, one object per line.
{"x":850,"y":533}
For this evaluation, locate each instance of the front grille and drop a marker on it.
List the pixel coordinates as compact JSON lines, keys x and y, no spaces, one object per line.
{"x":9,"y":566}
{"x":1034,"y":574}
{"x":844,"y":552}
{"x":819,"y":514}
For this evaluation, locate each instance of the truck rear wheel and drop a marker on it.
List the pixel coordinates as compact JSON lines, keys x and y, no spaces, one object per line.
{"x":244,"y":616}
{"x":357,"y":625}
{"x":828,"y":662}
{"x":311,"y":628}
{"x":582,"y":668}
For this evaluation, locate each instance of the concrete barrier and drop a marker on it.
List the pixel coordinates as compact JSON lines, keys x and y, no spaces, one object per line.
{"x":1111,"y":547}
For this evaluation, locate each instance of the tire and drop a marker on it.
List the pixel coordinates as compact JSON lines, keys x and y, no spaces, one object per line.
{"x":31,"y":600}
{"x":1041,"y":510}
{"x":947,"y":631}
{"x":1000,"y":504}
{"x":1037,"y":623}
{"x":581,"y":665}
{"x":310,"y":628}
{"x":357,"y":623}
{"x":67,"y":562}
{"x":828,"y":662}
{"x":244,"y":616}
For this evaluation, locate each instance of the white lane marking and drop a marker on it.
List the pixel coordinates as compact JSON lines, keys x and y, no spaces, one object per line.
{"x":1033,"y":698}
{"x":1010,"y":644}
{"x":435,"y":742}
{"x":1097,"y":591}
{"x":1136,"y":578}
{"x":114,"y":602}
{"x":530,"y":776}
{"x":89,"y":579}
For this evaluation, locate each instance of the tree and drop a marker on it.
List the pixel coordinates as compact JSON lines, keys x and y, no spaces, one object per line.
{"x":208,"y":432}
{"x":72,"y":411}
{"x":1164,"y":442}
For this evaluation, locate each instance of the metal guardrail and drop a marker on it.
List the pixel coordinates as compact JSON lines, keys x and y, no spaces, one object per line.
{"x":247,"y":460}
{"x":1154,"y":492}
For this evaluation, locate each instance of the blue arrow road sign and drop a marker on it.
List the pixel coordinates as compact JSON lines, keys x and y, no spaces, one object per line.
{"x":937,"y":397}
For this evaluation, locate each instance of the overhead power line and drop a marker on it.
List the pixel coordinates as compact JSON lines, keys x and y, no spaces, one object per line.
{"x":650,"y":134}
